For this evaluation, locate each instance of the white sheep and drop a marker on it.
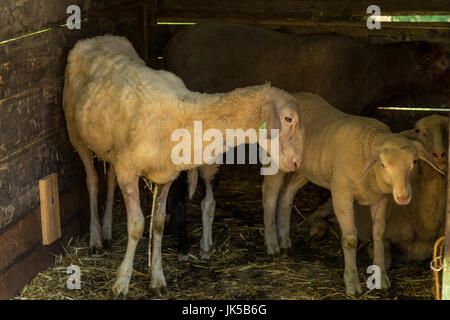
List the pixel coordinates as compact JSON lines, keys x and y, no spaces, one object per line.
{"x":126,"y":113}
{"x":360,"y":160}
{"x":412,"y":229}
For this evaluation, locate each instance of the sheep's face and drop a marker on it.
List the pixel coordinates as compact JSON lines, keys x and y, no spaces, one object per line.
{"x":396,"y":168}
{"x":432,"y":132}
{"x":396,"y":162}
{"x":282,"y":111}
{"x":432,"y":69}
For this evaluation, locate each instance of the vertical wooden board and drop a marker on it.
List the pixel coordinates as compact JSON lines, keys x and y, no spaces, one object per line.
{"x":50,"y":220}
{"x":446,"y":259}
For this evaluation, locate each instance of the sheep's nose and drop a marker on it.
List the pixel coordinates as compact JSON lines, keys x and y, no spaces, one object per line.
{"x":439,"y":155}
{"x":403,"y":199}
{"x":297,"y":163}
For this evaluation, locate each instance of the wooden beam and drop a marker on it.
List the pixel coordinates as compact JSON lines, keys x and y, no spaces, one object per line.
{"x":321,"y":10}
{"x":446,"y":259}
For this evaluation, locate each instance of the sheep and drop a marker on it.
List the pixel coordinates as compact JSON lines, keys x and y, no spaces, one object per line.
{"x":334,"y":67}
{"x":412,"y":229}
{"x":125,"y":113}
{"x":359,"y":160}
{"x":352,"y":75}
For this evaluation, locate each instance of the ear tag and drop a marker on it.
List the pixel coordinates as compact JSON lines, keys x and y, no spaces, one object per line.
{"x":263,"y":126}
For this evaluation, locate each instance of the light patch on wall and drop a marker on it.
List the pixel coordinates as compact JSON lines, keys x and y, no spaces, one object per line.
{"x":413,"y":18}
{"x":175,"y":23}
{"x":413,"y":109}
{"x":35,"y":33}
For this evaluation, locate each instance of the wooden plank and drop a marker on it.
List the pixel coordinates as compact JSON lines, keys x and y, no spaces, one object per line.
{"x":446,"y":259}
{"x":19,"y":172}
{"x":23,"y":17}
{"x":26,"y":16}
{"x":30,"y":115}
{"x":50,"y":221}
{"x":33,"y":61}
{"x":23,"y":254}
{"x":38,"y":257}
{"x":321,"y":10}
{"x":17,"y":238}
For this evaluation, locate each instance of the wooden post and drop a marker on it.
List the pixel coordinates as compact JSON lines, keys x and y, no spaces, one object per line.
{"x":446,"y":263}
{"x":145,"y":30}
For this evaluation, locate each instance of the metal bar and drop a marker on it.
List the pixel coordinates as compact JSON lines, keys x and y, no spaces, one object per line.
{"x":446,"y":263}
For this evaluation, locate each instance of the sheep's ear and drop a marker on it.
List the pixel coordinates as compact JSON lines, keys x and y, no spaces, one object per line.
{"x":371,"y":161}
{"x":270,"y":116}
{"x":412,"y":134}
{"x":426,"y":156}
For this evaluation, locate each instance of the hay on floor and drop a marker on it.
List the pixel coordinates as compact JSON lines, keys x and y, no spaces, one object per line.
{"x":240,"y":268}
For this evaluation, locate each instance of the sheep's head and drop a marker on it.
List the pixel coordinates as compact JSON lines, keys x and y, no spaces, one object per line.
{"x":281,"y":111}
{"x":432,"y":66}
{"x":432,"y":131}
{"x":395,"y":161}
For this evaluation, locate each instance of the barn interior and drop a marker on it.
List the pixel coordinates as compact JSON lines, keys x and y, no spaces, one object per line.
{"x":34,"y":44}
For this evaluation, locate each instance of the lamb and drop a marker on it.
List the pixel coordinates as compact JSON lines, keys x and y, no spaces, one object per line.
{"x":126,"y":113}
{"x":352,"y":75}
{"x":412,"y":229}
{"x":359,"y":160}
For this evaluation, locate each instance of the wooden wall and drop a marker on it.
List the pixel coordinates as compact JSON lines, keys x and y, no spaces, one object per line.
{"x":345,"y":17}
{"x":33,"y":136}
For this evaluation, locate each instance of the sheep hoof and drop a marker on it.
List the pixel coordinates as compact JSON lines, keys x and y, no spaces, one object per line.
{"x":273,"y":250}
{"x":183,"y":257}
{"x":205,"y":255}
{"x":160,"y":291}
{"x":119,"y":290}
{"x":353,"y":288}
{"x":118,"y":297}
{"x":385,"y":283}
{"x":95,"y":250}
{"x":284,"y":252}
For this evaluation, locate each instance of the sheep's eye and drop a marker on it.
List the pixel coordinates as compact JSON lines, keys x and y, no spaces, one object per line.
{"x":288,"y":119}
{"x":415,"y":161}
{"x":417,"y":130}
{"x":382,"y":165}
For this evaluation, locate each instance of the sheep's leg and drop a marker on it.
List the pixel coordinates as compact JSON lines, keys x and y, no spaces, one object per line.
{"x":178,"y":215}
{"x":95,"y":236}
{"x":211,"y":179}
{"x":107,"y":218}
{"x":158,"y":282}
{"x":343,"y":208}
{"x":318,"y":220}
{"x":293,"y":182}
{"x":270,"y":190}
{"x":129,"y":185}
{"x":378,"y":212}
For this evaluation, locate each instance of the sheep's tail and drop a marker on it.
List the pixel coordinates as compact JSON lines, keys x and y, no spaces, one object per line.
{"x":192,"y":176}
